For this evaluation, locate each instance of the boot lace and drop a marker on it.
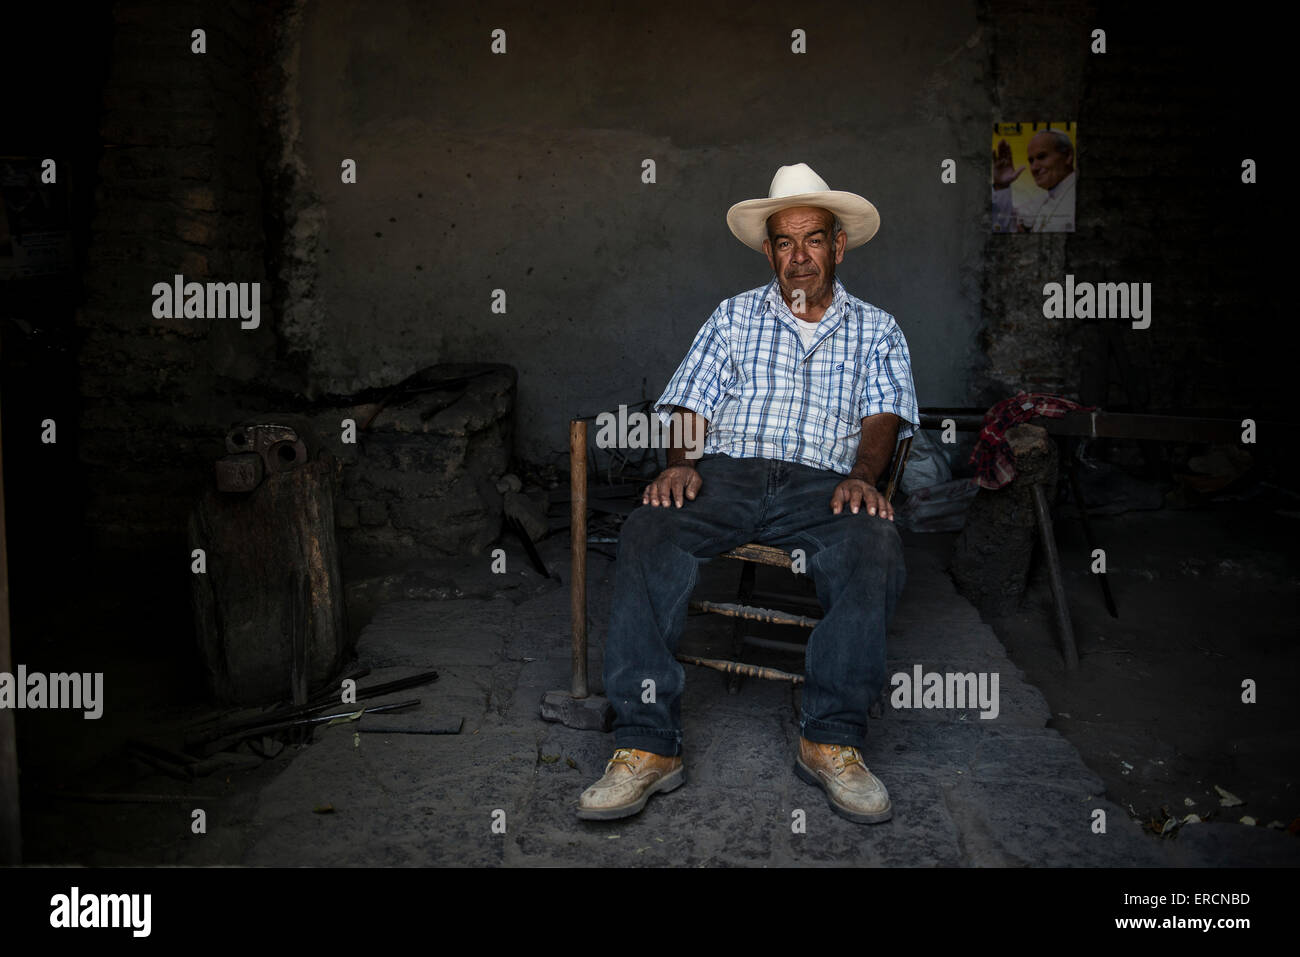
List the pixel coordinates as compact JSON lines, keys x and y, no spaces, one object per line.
{"x":846,"y":756}
{"x":624,"y":756}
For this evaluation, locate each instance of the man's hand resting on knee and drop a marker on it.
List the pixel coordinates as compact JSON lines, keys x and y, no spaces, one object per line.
{"x":675,"y":485}
{"x":679,"y":481}
{"x":856,"y":494}
{"x":875,"y":448}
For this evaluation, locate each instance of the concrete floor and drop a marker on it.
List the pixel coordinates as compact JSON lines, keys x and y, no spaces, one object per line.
{"x":967,"y":791}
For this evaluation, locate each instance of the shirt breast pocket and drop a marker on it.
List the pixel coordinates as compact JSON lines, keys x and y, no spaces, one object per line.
{"x":845,"y":394}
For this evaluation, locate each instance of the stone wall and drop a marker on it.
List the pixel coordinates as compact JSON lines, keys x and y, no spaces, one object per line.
{"x":523,"y":173}
{"x":179,"y":192}
{"x":421,"y":481}
{"x":1165,"y":117}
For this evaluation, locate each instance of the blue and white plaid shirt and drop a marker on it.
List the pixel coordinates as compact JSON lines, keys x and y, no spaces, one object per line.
{"x":766,"y":396}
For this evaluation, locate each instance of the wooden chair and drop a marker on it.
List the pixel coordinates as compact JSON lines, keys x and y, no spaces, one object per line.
{"x":578,"y":707}
{"x":743,"y":610}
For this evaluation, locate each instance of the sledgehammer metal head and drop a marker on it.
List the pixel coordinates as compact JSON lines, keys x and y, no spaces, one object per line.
{"x":592,"y":713}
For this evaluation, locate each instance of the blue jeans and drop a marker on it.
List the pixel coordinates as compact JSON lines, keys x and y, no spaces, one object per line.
{"x":856,"y":562}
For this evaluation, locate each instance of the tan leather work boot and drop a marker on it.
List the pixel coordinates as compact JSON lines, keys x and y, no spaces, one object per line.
{"x":853,"y":791}
{"x":631,"y":776}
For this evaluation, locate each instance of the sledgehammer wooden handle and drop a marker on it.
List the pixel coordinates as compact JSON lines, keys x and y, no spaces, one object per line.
{"x":578,"y":549}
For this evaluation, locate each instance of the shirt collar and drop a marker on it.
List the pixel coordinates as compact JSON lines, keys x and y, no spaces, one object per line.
{"x":772,"y":296}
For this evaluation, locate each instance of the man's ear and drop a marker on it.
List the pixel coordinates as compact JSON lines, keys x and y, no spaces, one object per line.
{"x":841,"y":244}
{"x":767,"y":251}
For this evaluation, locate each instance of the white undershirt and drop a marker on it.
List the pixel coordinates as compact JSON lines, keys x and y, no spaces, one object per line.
{"x":807,"y":332}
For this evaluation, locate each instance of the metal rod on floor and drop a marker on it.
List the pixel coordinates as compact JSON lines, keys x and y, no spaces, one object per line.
{"x":578,"y":548}
{"x":1065,"y":630}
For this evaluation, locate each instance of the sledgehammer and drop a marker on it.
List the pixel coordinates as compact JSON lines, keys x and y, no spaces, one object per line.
{"x":576,"y":708}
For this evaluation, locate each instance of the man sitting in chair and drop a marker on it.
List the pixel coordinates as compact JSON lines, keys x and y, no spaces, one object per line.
{"x":800,"y":390}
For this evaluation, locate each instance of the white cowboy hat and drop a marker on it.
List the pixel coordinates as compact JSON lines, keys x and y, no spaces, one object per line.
{"x":798,"y":185}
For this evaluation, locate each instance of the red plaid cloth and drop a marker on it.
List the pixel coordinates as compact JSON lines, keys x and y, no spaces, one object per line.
{"x":995,"y":466}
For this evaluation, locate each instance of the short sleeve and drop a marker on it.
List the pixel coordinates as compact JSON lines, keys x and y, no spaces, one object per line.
{"x":699,"y":381}
{"x":889,"y":382}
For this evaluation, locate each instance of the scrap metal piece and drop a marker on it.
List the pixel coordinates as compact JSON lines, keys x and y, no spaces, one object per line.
{"x":284,"y":455}
{"x":326,"y":698}
{"x":255,"y":437}
{"x":241,"y":472}
{"x":409,"y":724}
{"x":283,"y":442}
{"x":221,"y":744}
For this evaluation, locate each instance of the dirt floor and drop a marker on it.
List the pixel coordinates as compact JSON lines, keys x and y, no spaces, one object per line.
{"x":1207,"y":598}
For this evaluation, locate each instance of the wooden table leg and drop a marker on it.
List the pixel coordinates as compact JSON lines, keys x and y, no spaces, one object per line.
{"x":1065,"y":631}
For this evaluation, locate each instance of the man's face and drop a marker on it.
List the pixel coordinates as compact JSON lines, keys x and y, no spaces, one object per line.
{"x":1048,"y":165}
{"x":801,"y":254}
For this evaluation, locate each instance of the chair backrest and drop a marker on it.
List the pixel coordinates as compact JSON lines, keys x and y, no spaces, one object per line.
{"x":896,"y":468}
